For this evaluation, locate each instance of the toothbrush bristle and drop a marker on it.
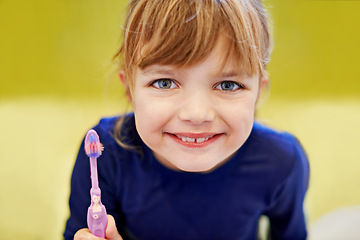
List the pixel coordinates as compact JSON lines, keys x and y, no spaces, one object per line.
{"x":93,"y":147}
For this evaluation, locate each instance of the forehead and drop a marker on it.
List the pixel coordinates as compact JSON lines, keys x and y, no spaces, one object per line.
{"x":220,"y":60}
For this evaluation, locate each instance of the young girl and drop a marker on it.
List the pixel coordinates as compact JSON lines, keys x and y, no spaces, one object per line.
{"x":190,"y":162}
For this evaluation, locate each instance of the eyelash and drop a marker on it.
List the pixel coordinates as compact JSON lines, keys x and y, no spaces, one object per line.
{"x":237,"y":85}
{"x":218,"y":86}
{"x":156,"y":82}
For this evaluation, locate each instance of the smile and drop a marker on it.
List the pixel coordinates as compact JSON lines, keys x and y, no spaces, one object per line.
{"x":193,"y":140}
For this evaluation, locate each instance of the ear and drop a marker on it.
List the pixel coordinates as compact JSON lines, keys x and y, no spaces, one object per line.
{"x":263,"y":84}
{"x":125,"y":84}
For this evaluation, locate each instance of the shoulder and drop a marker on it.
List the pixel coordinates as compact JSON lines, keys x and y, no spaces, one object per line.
{"x":261,"y":134}
{"x":274,"y":142}
{"x":280,"y":153}
{"x":107,"y":128}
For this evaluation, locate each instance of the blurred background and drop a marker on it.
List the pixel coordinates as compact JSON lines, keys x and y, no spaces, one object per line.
{"x":57,"y":80}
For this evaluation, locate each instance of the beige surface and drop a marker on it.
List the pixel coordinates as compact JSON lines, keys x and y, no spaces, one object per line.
{"x":342,"y":223}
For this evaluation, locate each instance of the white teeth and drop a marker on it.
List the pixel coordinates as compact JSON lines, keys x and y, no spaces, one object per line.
{"x":200,"y":140}
{"x":192,"y":140}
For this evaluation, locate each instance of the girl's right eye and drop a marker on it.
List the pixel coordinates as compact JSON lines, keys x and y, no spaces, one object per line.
{"x":164,"y":84}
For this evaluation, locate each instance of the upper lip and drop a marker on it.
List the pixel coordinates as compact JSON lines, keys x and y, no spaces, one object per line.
{"x":194,"y":135}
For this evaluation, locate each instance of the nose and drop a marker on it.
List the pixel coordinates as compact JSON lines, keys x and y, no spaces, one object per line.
{"x":197,"y":108}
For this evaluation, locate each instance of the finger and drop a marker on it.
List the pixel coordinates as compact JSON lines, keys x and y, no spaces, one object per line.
{"x":111,"y":232}
{"x":84,"y":234}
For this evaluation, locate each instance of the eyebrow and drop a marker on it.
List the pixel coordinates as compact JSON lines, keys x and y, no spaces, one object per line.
{"x":230,"y":74}
{"x":155,"y":70}
{"x":168,"y":71}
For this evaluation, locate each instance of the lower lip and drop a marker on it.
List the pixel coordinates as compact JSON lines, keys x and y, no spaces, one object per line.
{"x":194,"y":144}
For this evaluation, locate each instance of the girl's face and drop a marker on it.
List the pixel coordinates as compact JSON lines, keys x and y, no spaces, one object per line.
{"x":195,"y":118}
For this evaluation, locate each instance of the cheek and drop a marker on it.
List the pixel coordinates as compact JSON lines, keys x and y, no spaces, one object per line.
{"x":240,"y":118}
{"x":240,"y":109}
{"x":242,"y":123}
{"x":150,"y":117}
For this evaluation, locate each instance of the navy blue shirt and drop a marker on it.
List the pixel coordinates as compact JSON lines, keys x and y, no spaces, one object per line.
{"x":267,"y":176}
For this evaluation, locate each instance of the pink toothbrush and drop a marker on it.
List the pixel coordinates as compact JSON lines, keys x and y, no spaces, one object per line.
{"x":96,"y":215}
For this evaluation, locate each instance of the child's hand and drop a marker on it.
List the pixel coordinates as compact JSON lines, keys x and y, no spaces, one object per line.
{"x":111,"y":232}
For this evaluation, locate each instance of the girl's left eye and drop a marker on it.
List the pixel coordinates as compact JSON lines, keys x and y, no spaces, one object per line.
{"x":164,"y":84}
{"x":229,"y":86}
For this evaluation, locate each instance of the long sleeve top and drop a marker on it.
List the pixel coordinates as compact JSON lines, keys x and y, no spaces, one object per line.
{"x":268,"y":175}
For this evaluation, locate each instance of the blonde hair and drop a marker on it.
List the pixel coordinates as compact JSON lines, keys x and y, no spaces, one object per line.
{"x":184,"y":32}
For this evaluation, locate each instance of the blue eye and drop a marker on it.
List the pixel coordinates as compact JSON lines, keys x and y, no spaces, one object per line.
{"x":164,"y":84}
{"x":228,"y":86}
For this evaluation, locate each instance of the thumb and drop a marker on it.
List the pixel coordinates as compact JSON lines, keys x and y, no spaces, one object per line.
{"x":111,"y":232}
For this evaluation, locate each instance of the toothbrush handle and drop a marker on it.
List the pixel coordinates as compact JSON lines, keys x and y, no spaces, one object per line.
{"x":94,"y":173}
{"x":97,"y":221}
{"x":96,"y":218}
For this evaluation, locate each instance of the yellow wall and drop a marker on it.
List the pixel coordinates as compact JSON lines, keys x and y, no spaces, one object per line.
{"x":63,"y":47}
{"x":55,"y":84}
{"x":317,"y":48}
{"x":60,"y":48}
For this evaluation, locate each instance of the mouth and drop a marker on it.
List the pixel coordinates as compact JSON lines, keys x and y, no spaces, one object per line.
{"x":194,"y":140}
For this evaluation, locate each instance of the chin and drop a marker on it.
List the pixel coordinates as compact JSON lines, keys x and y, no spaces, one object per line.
{"x":199,"y":168}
